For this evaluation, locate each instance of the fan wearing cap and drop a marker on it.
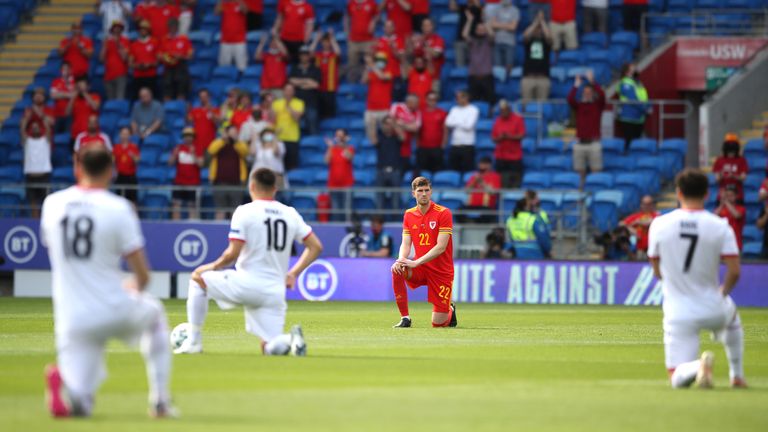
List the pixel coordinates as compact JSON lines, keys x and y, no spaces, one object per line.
{"x":144,"y":59}
{"x":77,"y":49}
{"x":731,"y":168}
{"x":114,"y":54}
{"x":188,"y":164}
{"x":730,"y":209}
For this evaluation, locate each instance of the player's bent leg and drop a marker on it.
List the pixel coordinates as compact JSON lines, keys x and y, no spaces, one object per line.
{"x":681,"y":349}
{"x":732,"y":338}
{"x":81,"y":369}
{"x":197,"y":309}
{"x":54,"y":389}
{"x":156,"y":350}
{"x":401,"y":294}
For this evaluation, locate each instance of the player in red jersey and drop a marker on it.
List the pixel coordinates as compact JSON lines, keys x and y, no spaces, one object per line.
{"x":428,"y":227}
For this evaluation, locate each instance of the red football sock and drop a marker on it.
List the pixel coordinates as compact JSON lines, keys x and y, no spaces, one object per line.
{"x":447,"y":321}
{"x":401,"y":293}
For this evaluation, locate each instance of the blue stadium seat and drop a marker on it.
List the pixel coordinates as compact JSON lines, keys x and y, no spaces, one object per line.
{"x":509,"y":200}
{"x":570,"y":58}
{"x":320,"y":178}
{"x":159,"y":141}
{"x":149,"y":156}
{"x":598,"y":181}
{"x":175,"y":108}
{"x":612,"y":146}
{"x":568,"y":180}
{"x":551,"y":202}
{"x":200,"y":72}
{"x":63,"y":175}
{"x":674,"y":151}
{"x":364,"y":201}
{"x":313,"y":160}
{"x":752,"y":233}
{"x":605,"y":209}
{"x":629,"y":39}
{"x":305,"y":203}
{"x":550,"y":146}
{"x":643,"y":146}
{"x":315,"y":142}
{"x":652,"y":163}
{"x":155,"y":206}
{"x":225,"y":73}
{"x":593,"y":40}
{"x":10,"y":205}
{"x":757,"y":164}
{"x":753,"y":181}
{"x":12,"y":174}
{"x":300,"y":177}
{"x":408,"y":177}
{"x":454,"y":200}
{"x":557,"y":164}
{"x":120,"y":107}
{"x":448,"y":179}
{"x":536,"y":180}
{"x":754,"y":148}
{"x":151,"y":176}
{"x":365,"y":177}
{"x":752,"y":249}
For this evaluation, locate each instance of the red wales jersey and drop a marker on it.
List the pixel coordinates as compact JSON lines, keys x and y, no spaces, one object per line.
{"x":424,"y":229}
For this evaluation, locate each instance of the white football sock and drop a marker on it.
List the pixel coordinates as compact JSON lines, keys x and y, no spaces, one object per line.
{"x":279,"y":345}
{"x":197,"y":309}
{"x":156,"y":350}
{"x":733,"y":341}
{"x":685,"y":374}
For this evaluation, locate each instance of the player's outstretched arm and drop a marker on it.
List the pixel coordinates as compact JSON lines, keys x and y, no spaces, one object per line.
{"x":732,"y":274}
{"x":227,"y":258}
{"x":137,"y":263}
{"x":439,"y":248}
{"x":312,"y":249}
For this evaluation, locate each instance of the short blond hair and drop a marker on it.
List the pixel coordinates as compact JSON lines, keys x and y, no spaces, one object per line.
{"x":419,"y":182}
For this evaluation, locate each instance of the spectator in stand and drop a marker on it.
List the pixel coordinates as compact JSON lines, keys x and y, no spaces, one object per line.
{"x":399,"y":12}
{"x":379,"y":79}
{"x":227,"y":171}
{"x":762,"y":219}
{"x":92,"y":136}
{"x":359,"y":24}
{"x":529,"y":232}
{"x":419,"y":13}
{"x":535,"y":7}
{"x":175,"y":53}
{"x":633,"y":107}
{"x":184,"y":157}
{"x":587,"y":101}
{"x":38,"y":113}
{"x":341,"y":177}
{"x":294,"y":25}
{"x":147,"y":115}
{"x":731,"y":167}
{"x":507,"y":133}
{"x":203,"y":118}
{"x":228,"y":108}
{"x":37,"y":142}
{"x":126,"y":154}
{"x":420,"y":77}
{"x":407,"y":117}
{"x":462,"y":120}
{"x":114,"y":10}
{"x":268,"y":152}
{"x":305,"y":77}
{"x":288,"y":111}
{"x":265,"y":106}
{"x":380,"y":244}
{"x":81,"y":106}
{"x":186,"y":16}
{"x":393,"y":45}
{"x":432,"y":138}
{"x":327,"y":60}
{"x":77,"y":50}
{"x":255,"y":16}
{"x":275,"y":64}
{"x":483,"y":188}
{"x":595,"y":14}
{"x":502,"y":20}
{"x":114,"y":54}
{"x":431,"y":46}
{"x":632,"y":12}
{"x":233,"y":48}
{"x":250,"y":132}
{"x":157,"y":13}
{"x":638,"y":224}
{"x":143,"y":60}
{"x":563,"y":25}
{"x":474,"y":7}
{"x":731,"y":210}
{"x":62,"y":89}
{"x":388,"y":143}
{"x":537,"y":38}
{"x":243,"y":112}
{"x":481,"y":82}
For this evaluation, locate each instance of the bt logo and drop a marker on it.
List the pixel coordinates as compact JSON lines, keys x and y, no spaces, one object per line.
{"x":190,"y":248}
{"x":319,"y":281}
{"x":20,"y":244}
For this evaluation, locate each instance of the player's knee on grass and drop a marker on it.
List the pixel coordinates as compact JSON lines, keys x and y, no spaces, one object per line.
{"x":440,"y":319}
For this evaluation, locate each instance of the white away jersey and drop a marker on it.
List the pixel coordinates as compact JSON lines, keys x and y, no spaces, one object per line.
{"x":690,"y":245}
{"x":87,"y":232}
{"x":268,"y":229}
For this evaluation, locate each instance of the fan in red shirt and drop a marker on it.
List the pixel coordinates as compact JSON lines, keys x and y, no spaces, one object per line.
{"x":244,"y":110}
{"x":420,"y":79}
{"x":393,"y":46}
{"x":731,"y":168}
{"x":175,"y":53}
{"x":399,"y":12}
{"x":419,"y":13}
{"x":38,"y":114}
{"x":188,"y":165}
{"x":327,"y":60}
{"x":255,"y":14}
{"x":233,"y":21}
{"x":638,"y":223}
{"x":407,"y":117}
{"x":359,"y":24}
{"x":82,"y":105}
{"x":203,"y":118}
{"x":731,"y":210}
{"x":340,"y":171}
{"x":428,"y":227}
{"x":158,"y":16}
{"x":77,"y":51}
{"x":483,"y":187}
{"x":295,"y":22}
{"x":379,"y":97}
{"x":62,"y":89}
{"x":92,"y":136}
{"x":432,"y":137}
{"x":126,"y":154}
{"x":430,"y":45}
{"x":144,"y":60}
{"x":114,"y":54}
{"x":275,"y":63}
{"x":507,"y":132}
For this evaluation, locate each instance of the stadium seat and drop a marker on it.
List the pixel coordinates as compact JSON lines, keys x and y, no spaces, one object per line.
{"x":408,"y":177}
{"x":753,"y":181}
{"x":550,"y":146}
{"x":149,"y":156}
{"x":642,"y":146}
{"x":320,"y":178}
{"x":752,"y":233}
{"x":551,"y":202}
{"x":605,"y":209}
{"x":12,"y":174}
{"x":568,"y":180}
{"x":151,"y":176}
{"x":598,"y":181}
{"x":629,"y":39}
{"x":754,"y":148}
{"x":757,"y":164}
{"x":652,"y":163}
{"x":364,"y":201}
{"x":313,"y":160}
{"x":674,"y":151}
{"x":570,"y":58}
{"x":752,"y":249}
{"x":159,"y":141}
{"x":120,"y":107}
{"x":365,"y":177}
{"x":509,"y":200}
{"x":63,"y":176}
{"x":613,"y":146}
{"x":155,"y":206}
{"x":571,"y":210}
{"x":536,"y":180}
{"x":305,"y":203}
{"x":446,"y":179}
{"x":593,"y":40}
{"x":558,"y":164}
{"x":225,"y":73}
{"x":10,"y":205}
{"x":300,"y":177}
{"x":454,"y":200}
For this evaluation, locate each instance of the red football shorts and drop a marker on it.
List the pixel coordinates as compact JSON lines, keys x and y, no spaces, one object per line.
{"x":439,"y":287}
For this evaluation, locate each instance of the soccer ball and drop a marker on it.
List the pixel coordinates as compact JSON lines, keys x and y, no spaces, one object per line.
{"x":179,"y":334}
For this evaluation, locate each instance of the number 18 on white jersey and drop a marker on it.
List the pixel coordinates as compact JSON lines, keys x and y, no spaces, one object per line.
{"x":690,"y":246}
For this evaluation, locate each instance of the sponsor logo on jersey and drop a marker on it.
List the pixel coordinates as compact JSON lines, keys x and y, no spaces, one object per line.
{"x":319,"y":281}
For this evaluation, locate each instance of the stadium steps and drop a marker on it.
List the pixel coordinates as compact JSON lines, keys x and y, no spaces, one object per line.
{"x":758,"y":126}
{"x":20,"y":59}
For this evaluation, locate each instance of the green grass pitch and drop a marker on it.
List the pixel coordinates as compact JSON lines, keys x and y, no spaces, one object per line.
{"x":506,"y":368}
